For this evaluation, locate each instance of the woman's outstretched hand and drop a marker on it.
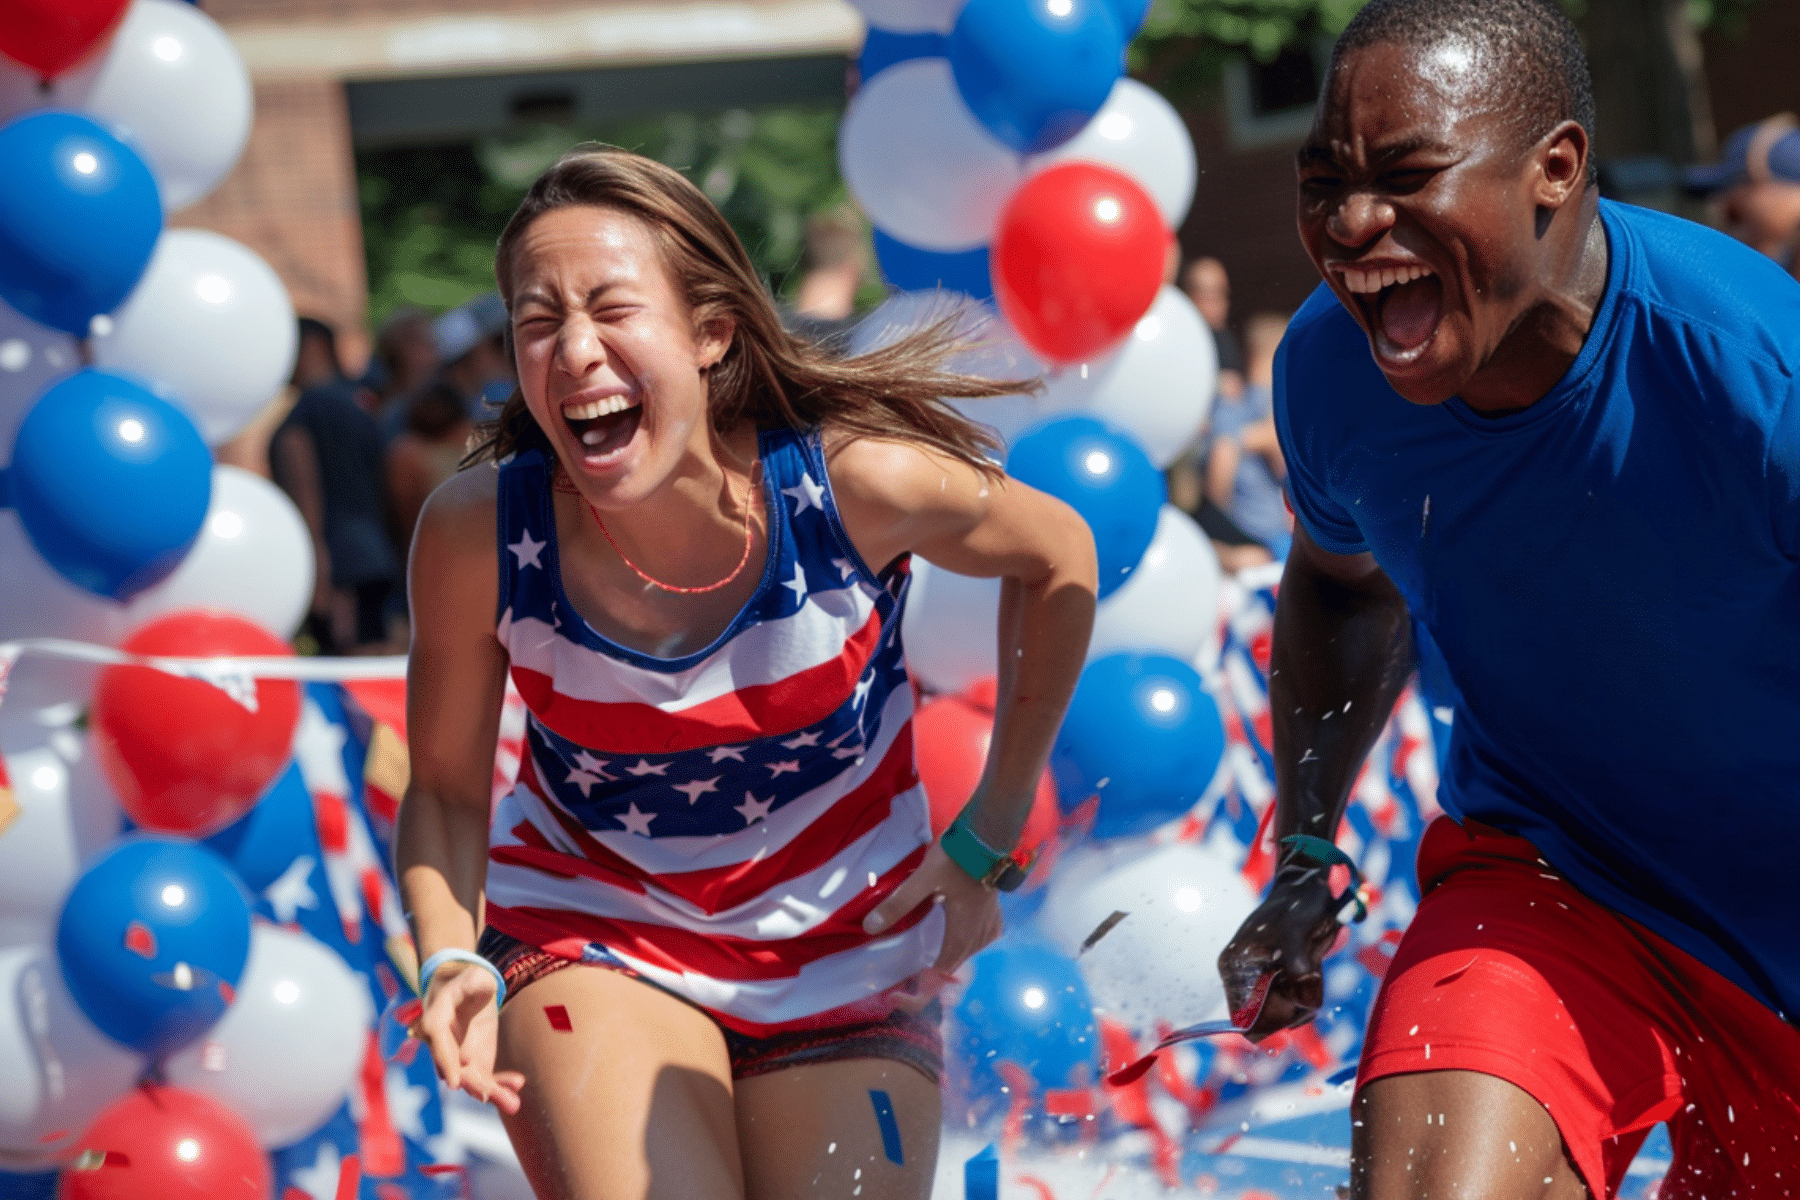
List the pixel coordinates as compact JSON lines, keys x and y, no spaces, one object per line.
{"x":971,"y":920}
{"x":460,"y":1024}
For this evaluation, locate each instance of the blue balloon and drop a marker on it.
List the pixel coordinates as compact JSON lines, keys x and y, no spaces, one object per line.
{"x":1027,"y":1004}
{"x":1036,"y":71}
{"x":111,"y":483}
{"x":914,"y":270}
{"x":882,"y":48}
{"x":153,"y":939}
{"x":1103,"y":475}
{"x":79,"y":218}
{"x":1130,"y":15}
{"x":262,"y":844}
{"x":1144,"y":736}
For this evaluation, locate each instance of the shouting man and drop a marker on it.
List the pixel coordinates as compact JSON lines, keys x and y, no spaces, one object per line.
{"x":1562,"y":435}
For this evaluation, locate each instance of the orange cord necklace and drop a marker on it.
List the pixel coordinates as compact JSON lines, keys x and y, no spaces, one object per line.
{"x":564,"y":484}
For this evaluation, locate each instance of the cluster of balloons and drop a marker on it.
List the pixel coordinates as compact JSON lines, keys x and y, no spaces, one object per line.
{"x":131,"y":959}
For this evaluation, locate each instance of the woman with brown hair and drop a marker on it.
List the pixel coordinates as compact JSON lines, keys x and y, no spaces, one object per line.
{"x":695,"y":952}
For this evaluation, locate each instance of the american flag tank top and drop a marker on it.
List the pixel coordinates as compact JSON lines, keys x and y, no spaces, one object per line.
{"x":720,"y":823}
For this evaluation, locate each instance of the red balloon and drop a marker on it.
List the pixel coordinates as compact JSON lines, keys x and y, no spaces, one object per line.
{"x":950,"y":741}
{"x":50,"y":36}
{"x":187,"y":756}
{"x":1077,"y":260}
{"x":168,"y":1143}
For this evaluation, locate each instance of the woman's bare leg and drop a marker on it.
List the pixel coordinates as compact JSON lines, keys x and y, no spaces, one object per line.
{"x":633,"y":1101}
{"x":813,"y":1131}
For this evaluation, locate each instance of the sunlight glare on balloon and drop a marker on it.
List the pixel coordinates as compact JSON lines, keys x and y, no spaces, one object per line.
{"x":1163,"y":700}
{"x":45,"y":778}
{"x":1097,"y":462}
{"x":131,"y":430}
{"x":1034,"y":997}
{"x":84,"y":163}
{"x":287,"y":992}
{"x":1060,"y":8}
{"x":1107,"y":210}
{"x":187,"y":1150}
{"x":1187,"y":899}
{"x":213,"y":289}
{"x":1114,"y":126}
{"x":166,"y":48}
{"x":226,"y":525}
{"x":174,"y":895}
{"x":15,"y":354}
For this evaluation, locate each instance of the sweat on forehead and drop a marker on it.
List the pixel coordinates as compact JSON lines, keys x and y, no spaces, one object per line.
{"x":1527,"y":49}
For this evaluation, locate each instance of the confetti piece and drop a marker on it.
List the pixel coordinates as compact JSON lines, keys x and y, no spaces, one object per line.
{"x":981,"y":1175}
{"x":1244,"y":1018}
{"x":349,"y":1177}
{"x":1343,"y":1076}
{"x":558,"y":1017}
{"x":890,"y":1128}
{"x":1101,"y":930}
{"x":430,"y":1169}
{"x":139,"y":940}
{"x":54,"y":1136}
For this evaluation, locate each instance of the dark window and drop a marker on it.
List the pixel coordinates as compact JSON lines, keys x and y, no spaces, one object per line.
{"x":1289,"y":81}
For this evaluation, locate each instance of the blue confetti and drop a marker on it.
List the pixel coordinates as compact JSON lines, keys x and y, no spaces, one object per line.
{"x":981,"y":1175}
{"x":890,"y":1128}
{"x":1343,"y":1076}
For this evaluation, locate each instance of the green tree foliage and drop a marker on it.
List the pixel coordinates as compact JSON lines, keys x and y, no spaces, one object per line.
{"x":432,"y":214}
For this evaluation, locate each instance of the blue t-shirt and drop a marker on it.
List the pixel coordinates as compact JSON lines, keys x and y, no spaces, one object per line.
{"x":1613,"y":577}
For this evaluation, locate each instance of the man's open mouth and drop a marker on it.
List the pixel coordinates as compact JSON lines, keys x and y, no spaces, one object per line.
{"x":603,"y":426}
{"x":1402,"y":305}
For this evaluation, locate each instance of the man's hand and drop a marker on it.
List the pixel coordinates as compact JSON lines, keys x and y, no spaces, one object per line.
{"x":1289,"y":935}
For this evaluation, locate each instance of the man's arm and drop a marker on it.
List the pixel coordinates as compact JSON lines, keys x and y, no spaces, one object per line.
{"x":1342,"y":653}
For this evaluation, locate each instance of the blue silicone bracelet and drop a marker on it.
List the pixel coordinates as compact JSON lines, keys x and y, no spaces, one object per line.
{"x":454,"y":954}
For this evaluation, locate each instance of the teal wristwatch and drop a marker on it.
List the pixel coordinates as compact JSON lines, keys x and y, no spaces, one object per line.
{"x":1003,"y":872}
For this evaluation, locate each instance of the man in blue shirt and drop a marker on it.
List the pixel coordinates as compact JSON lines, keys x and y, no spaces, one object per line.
{"x":1564,"y":436}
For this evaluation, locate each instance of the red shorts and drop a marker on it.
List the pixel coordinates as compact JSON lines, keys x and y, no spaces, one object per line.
{"x":1509,"y":971}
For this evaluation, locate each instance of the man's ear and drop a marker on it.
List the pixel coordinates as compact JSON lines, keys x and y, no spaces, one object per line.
{"x":1562,"y":166}
{"x":713,"y":339}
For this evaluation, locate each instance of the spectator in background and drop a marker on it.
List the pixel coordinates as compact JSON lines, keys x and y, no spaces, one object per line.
{"x":428,"y":451}
{"x":471,"y":348}
{"x":405,"y":357}
{"x":326,"y":456}
{"x":315,"y":361}
{"x":832,"y":263}
{"x":1756,"y":184}
{"x":1244,"y":466}
{"x":1209,"y":287}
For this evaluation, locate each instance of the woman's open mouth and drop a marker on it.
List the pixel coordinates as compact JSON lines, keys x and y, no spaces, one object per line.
{"x":1401,"y":307}
{"x":605,"y":426}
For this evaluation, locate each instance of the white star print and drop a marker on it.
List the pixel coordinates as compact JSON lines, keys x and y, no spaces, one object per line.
{"x":595,"y":766}
{"x":528,"y":550}
{"x":406,"y":1100}
{"x":841,"y":738}
{"x":720,"y":753}
{"x":643,"y":767}
{"x":583,"y":780}
{"x":636,"y":821}
{"x":851,"y":752}
{"x":798,"y":582}
{"x":319,"y":1181}
{"x":292,"y":892}
{"x":862,"y":689}
{"x":782,"y":768}
{"x":845,"y":566}
{"x":805,"y":739}
{"x":755,"y":810}
{"x":805,"y":495}
{"x":699,"y":787}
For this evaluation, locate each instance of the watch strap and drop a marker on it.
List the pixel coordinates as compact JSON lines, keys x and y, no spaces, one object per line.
{"x":1001,"y":871}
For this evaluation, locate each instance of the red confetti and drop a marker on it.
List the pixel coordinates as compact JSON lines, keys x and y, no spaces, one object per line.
{"x":440,"y":1169}
{"x":139,"y":940}
{"x":57,"y":1136}
{"x":349,"y":1176}
{"x":559,"y":1018}
{"x":227,"y":993}
{"x":409,"y":1012}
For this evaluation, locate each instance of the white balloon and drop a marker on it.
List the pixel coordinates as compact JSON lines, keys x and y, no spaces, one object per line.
{"x":920,"y":164}
{"x":171,"y":81}
{"x":60,"y":1071}
{"x":1182,"y":903}
{"x":287,"y":1050}
{"x":1141,"y":134}
{"x":1171,"y":602}
{"x":993,"y":352}
{"x":31,"y":359}
{"x":65,"y":814}
{"x":910,"y":16}
{"x":254,"y":557}
{"x":950,"y":628}
{"x":210,"y":327}
{"x":1158,"y":387}
{"x":35,"y":602}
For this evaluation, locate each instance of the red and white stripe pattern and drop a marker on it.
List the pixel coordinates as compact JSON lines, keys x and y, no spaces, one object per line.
{"x":723,"y":822}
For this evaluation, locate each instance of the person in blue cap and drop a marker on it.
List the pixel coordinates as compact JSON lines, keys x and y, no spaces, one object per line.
{"x":1756,"y":183}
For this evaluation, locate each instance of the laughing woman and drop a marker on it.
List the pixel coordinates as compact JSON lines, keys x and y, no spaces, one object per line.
{"x":694,"y":954}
